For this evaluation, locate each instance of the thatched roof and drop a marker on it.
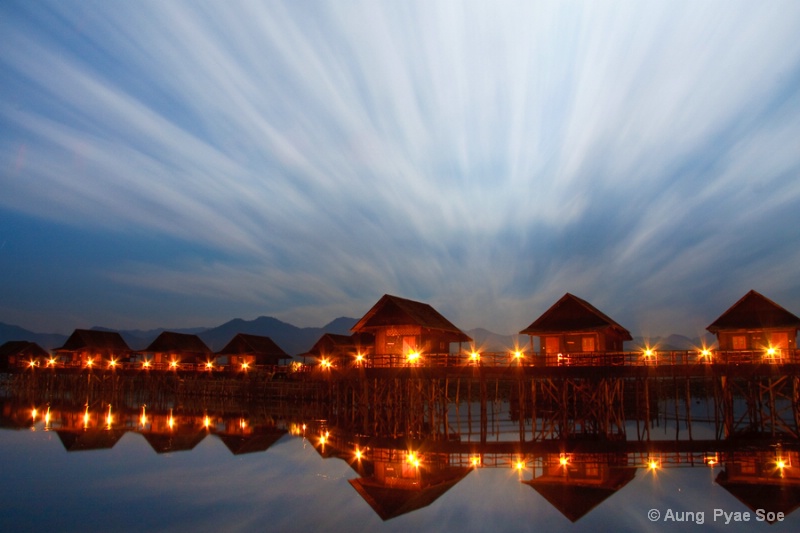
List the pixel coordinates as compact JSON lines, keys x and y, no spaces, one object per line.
{"x":771,"y":497}
{"x":332,"y":343}
{"x":96,"y":342}
{"x":754,"y":311}
{"x":571,"y":314}
{"x":179,"y":343}
{"x":396,"y":311}
{"x":174,"y":441}
{"x":263,"y":348}
{"x":20,"y":350}
{"x":259,"y":441}
{"x":390,"y":502}
{"x":89,"y":439}
{"x":575,"y":499}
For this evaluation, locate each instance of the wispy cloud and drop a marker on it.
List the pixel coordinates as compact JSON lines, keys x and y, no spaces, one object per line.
{"x":485,"y":157}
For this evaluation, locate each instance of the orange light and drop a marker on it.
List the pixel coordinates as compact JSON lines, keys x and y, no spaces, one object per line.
{"x":109,"y":418}
{"x":325,"y":363}
{"x":86,"y":418}
{"x":209,"y":365}
{"x":47,"y":418}
{"x":51,"y":362}
{"x":206,"y":421}
{"x":146,"y":364}
{"x":112,"y":363}
{"x":358,"y":454}
{"x":359,"y":358}
{"x":34,"y":412}
{"x":781,"y":464}
{"x":31,"y":363}
{"x":243,"y":423}
{"x":245,"y":366}
{"x":323,"y":439}
{"x":771,"y":351}
{"x":519,"y":465}
{"x":648,"y":352}
{"x":170,"y":420}
{"x":705,"y":352}
{"x":474,"y":356}
{"x":563,"y":460}
{"x":475,"y":461}
{"x":89,"y":363}
{"x":173,"y":364}
{"x":413,"y":357}
{"x":652,"y":464}
{"x":517,"y":355}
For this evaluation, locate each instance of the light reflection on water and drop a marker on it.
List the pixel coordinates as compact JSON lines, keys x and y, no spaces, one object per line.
{"x":292,"y":486}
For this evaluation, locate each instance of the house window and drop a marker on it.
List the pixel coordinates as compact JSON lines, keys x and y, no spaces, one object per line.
{"x":587,"y":344}
{"x":739,"y":342}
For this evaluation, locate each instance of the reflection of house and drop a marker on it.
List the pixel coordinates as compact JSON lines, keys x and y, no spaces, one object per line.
{"x":397,"y":486}
{"x":243,"y":438}
{"x":573,"y":325}
{"x":342,"y":350}
{"x":251,"y":350}
{"x":16,"y":353}
{"x":89,"y":439}
{"x":577,"y":484}
{"x":85,"y":345}
{"x":15,"y":416}
{"x":181,"y":348}
{"x":755,"y":323}
{"x":763,"y":480}
{"x":403,"y":327}
{"x":167,"y":433}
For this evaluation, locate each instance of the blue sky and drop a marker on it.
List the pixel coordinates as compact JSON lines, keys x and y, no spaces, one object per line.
{"x":183,"y":163}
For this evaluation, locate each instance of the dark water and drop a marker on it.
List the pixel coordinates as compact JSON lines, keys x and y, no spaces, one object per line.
{"x":214,"y":471}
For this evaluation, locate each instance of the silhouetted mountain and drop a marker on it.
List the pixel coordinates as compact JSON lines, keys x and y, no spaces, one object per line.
{"x":48,"y":341}
{"x":292,"y":339}
{"x":672,"y":342}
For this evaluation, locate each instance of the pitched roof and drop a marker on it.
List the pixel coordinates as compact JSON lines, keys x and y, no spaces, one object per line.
{"x":754,"y":311}
{"x":258,"y":442}
{"x":171,"y":342}
{"x":96,"y":341}
{"x":22,"y":348}
{"x":772,"y":497}
{"x":332,"y":342}
{"x":245,"y":344}
{"x":390,"y":502}
{"x":395,"y":311}
{"x":89,"y":439}
{"x":573,"y":499}
{"x":572,"y":314}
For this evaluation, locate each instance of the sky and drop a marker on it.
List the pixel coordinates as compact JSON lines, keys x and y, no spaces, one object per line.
{"x":180,"y":164}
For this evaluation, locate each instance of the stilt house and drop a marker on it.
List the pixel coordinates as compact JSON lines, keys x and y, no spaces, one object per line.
{"x":407,"y":332}
{"x":15,"y":354}
{"x":248,"y":351}
{"x":177,"y":350}
{"x":572,"y":328}
{"x":755,"y":326}
{"x":89,"y":347}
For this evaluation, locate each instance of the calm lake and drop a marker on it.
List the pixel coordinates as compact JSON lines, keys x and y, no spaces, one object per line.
{"x":97,"y":467}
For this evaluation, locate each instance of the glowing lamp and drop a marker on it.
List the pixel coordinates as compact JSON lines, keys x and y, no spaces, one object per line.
{"x":206,"y":421}
{"x":358,"y":455}
{"x":51,"y":362}
{"x":413,"y":357}
{"x":771,"y":351}
{"x":519,"y":465}
{"x":326,"y":363}
{"x":112,"y":363}
{"x":146,"y":364}
{"x":648,"y":352}
{"x":34,"y":412}
{"x":652,"y":464}
{"x":31,"y":363}
{"x":209,"y":365}
{"x":245,"y":366}
{"x":474,"y":356}
{"x":475,"y":461}
{"x":359,"y":358}
{"x":563,"y":460}
{"x":89,"y":363}
{"x":173,"y":364}
{"x":86,"y":418}
{"x":781,"y":464}
{"x":517,"y":355}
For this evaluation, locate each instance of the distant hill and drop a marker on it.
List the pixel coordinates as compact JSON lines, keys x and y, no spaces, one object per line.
{"x":488,"y":341}
{"x":48,"y":341}
{"x":672,"y":342}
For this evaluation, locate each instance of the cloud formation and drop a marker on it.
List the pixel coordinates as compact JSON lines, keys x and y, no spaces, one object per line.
{"x":302,"y":159}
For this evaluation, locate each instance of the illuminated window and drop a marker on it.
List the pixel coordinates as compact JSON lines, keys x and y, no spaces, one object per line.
{"x":587,"y":344}
{"x":551,"y":345}
{"x":739,"y":342}
{"x":779,"y":340}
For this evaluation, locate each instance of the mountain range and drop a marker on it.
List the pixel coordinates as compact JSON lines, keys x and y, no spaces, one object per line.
{"x":296,"y":340}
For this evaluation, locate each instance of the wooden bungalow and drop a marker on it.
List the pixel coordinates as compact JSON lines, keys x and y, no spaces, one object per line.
{"x":241,"y":438}
{"x":14,"y":354}
{"x":248,"y":351}
{"x":167,"y":433}
{"x":574,"y":328}
{"x":768,"y":481}
{"x":396,"y":486}
{"x":89,"y":347}
{"x":177,"y":351}
{"x":342,"y":350}
{"x":406,"y":331}
{"x":576,"y":484}
{"x":755,"y":326}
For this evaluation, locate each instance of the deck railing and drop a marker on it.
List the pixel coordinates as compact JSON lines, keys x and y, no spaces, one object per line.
{"x":637,"y":358}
